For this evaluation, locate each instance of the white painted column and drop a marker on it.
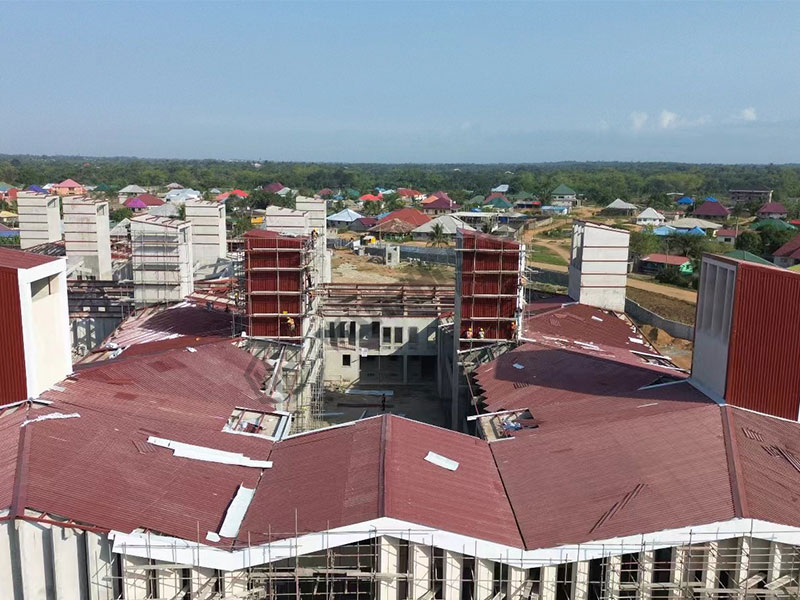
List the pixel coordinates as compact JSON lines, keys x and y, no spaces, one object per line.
{"x":234,"y":584}
{"x":646,"y":567}
{"x":710,"y":568}
{"x":6,"y":567}
{"x":613,"y":571}
{"x":68,"y":562}
{"x":516,"y":580}
{"x":484,"y":578}
{"x":388,"y":562}
{"x":135,"y":579}
{"x":742,"y":563}
{"x":775,"y":561}
{"x":580,"y":580}
{"x":678,"y":572}
{"x":549,"y":580}
{"x":169,"y":584}
{"x":453,"y":573}
{"x":421,"y":559}
{"x":33,"y":560}
{"x":203,"y":583}
{"x":99,"y":566}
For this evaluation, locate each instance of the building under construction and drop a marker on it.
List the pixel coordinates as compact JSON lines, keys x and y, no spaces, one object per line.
{"x":594,"y":467}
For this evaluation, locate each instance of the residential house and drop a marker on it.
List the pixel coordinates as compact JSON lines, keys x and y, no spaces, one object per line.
{"x":712,"y":210}
{"x":480,"y":220}
{"x":759,"y":194}
{"x":450,"y":225}
{"x":773,"y":210}
{"x":68,"y":187}
{"x":129,"y":191}
{"x":620,"y":207}
{"x":363,"y":224}
{"x":688,"y":223}
{"x":412,"y":216}
{"x":788,"y":255}
{"x":650,"y":217}
{"x":727,"y":235}
{"x":439,"y":206}
{"x":564,"y":195}
{"x":343,"y":218}
{"x":653,"y":263}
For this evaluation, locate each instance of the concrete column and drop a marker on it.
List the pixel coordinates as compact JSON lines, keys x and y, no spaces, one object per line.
{"x":710,"y":568}
{"x":453,"y":574}
{"x":678,"y":572}
{"x":99,"y":567}
{"x":646,"y":566}
{"x":548,"y":582}
{"x":420,"y":557}
{"x":484,"y":579}
{"x":613,"y":569}
{"x":6,"y":566}
{"x":740,"y":574}
{"x":388,"y":563}
{"x":69,"y":562}
{"x":234,"y":584}
{"x":203,"y":583}
{"x":35,"y":559}
{"x":135,"y":578}
{"x":580,"y":580}
{"x":775,"y":561}
{"x":516,"y":582}
{"x":170,"y":584}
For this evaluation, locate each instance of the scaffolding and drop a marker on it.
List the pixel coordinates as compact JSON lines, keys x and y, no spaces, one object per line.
{"x":403,"y":566}
{"x":161,"y":260}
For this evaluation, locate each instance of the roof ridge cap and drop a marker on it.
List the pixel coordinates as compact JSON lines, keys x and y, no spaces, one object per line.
{"x":385,"y":434}
{"x":739,"y":497}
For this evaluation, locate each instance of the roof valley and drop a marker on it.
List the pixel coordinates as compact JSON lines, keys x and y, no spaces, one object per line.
{"x":508,"y":497}
{"x":738,"y":494}
{"x":385,"y":435}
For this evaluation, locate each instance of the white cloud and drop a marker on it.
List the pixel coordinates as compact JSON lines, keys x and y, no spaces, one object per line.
{"x":668,"y":119}
{"x":748,"y":114}
{"x":638,"y":120}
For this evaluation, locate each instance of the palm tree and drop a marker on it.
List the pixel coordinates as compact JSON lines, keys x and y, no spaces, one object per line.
{"x":437,"y":236}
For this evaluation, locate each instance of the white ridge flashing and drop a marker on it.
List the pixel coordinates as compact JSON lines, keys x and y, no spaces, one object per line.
{"x":48,"y":417}
{"x":202,"y":453}
{"x":236,"y":512}
{"x":441,"y":461}
{"x":172,"y":550}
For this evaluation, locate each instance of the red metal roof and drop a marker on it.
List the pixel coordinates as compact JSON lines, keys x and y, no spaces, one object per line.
{"x":711,"y":209}
{"x":666,"y":259}
{"x":68,"y":183}
{"x":19,"y":259}
{"x":412,"y":216}
{"x":407,"y":192}
{"x":149,"y":199}
{"x":790,"y":249}
{"x":727,"y":233}
{"x":772,"y":208}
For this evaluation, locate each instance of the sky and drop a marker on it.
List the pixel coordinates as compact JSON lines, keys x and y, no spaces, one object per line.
{"x":448,"y":82}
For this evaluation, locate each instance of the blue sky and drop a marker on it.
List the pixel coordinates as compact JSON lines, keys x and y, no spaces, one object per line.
{"x":403,"y":82}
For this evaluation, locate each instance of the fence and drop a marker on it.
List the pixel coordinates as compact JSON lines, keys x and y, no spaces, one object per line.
{"x":642,"y":315}
{"x":442,"y":256}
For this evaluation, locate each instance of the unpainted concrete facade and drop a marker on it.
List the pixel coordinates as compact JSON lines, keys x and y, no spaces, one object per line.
{"x":598,"y":268}
{"x":209,"y":237}
{"x":86,"y":233}
{"x":162,"y":259}
{"x":39,"y":219}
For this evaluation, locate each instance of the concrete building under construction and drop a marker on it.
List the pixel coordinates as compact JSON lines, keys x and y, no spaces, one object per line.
{"x":86,"y":233}
{"x":162,"y":259}
{"x":209,"y":237}
{"x":592,"y":468}
{"x":39,"y":219}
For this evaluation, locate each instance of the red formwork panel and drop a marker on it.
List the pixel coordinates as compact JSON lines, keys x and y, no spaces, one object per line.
{"x":12,"y":368}
{"x":764,"y":346}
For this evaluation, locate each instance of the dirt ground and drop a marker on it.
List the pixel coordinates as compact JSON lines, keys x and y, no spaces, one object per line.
{"x":680,"y":351}
{"x":668,"y":307}
{"x":350,"y":268}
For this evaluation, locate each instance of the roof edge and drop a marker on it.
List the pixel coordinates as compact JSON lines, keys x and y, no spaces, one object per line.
{"x":738,"y":494}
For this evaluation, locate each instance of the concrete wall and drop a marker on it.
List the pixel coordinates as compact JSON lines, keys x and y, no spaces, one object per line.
{"x":86,"y":234}
{"x":209,"y":237}
{"x":642,"y":315}
{"x":39,"y":219}
{"x":162,"y":261}
{"x":598,"y":267}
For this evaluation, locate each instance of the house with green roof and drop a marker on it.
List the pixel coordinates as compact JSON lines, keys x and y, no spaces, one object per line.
{"x":564,"y":195}
{"x":748,"y":256}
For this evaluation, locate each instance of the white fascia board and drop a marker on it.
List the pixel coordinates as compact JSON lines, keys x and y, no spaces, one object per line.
{"x":172,"y":550}
{"x":47,"y":269}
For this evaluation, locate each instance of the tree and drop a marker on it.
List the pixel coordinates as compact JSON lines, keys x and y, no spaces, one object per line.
{"x":773,"y":237}
{"x":749,"y":241}
{"x":644,"y":243}
{"x":437,"y":236}
{"x":121,"y":213}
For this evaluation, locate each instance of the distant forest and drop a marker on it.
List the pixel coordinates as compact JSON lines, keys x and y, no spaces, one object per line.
{"x":599,"y":182}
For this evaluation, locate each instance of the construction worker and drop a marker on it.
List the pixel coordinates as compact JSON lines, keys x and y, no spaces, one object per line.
{"x":481,"y":333}
{"x":469,"y":333}
{"x":289,"y":322}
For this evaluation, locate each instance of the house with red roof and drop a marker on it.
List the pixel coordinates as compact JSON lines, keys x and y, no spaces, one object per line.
{"x":68,"y":187}
{"x":273,"y":188}
{"x":727,"y":235}
{"x":438,"y":206}
{"x":773,"y":210}
{"x":653,"y":263}
{"x":788,"y":255}
{"x":412,"y":216}
{"x":712,"y":210}
{"x":371,"y":198}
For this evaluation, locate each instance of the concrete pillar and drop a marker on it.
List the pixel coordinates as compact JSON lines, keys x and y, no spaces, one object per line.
{"x":613,"y":570}
{"x":453,"y":574}
{"x":421,"y":559}
{"x":99,"y":566}
{"x":710,"y":568}
{"x":69,"y":562}
{"x":388,"y":563}
{"x":678,"y":572}
{"x":234,"y":584}
{"x":580,"y":580}
{"x":35,"y":560}
{"x":548,"y":581}
{"x":646,"y":566}
{"x":484,"y":579}
{"x":516,"y":582}
{"x":740,"y":574}
{"x":169,"y":584}
{"x":6,"y":565}
{"x":135,"y":577}
{"x":203,"y":583}
{"x":775,"y":561}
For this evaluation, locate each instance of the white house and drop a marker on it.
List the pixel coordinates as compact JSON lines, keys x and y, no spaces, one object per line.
{"x":650,"y":217}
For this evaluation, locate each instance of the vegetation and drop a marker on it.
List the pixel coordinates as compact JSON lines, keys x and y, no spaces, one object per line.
{"x":438,"y":236}
{"x":120,"y":214}
{"x":543,"y":254}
